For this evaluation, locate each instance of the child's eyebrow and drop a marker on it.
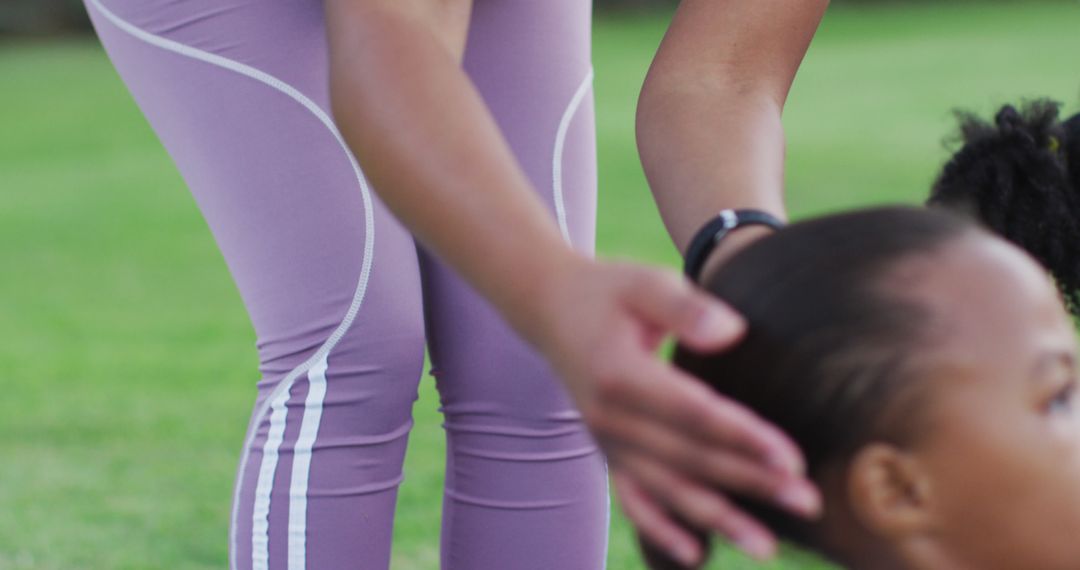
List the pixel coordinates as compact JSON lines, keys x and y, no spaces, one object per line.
{"x":1051,"y":357}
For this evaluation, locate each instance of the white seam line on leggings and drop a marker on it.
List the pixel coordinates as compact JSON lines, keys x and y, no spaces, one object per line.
{"x":557,"y":155}
{"x":560,"y":214}
{"x":369,"y":222}
{"x":301,"y":468}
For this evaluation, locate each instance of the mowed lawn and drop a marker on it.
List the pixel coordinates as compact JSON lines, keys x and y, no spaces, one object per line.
{"x":127,"y":365}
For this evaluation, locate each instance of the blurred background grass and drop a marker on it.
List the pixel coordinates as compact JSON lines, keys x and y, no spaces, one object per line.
{"x":127,"y":362}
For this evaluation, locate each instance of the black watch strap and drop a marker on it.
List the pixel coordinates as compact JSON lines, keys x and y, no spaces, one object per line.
{"x":707,"y":238}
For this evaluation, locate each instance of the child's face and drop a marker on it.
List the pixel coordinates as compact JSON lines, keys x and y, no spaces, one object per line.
{"x":1002,"y":441}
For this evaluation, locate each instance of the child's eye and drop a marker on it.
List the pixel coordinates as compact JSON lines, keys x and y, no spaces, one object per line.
{"x":1063,"y":399}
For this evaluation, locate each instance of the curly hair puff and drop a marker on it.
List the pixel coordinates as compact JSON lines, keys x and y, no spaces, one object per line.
{"x":1020,"y":177}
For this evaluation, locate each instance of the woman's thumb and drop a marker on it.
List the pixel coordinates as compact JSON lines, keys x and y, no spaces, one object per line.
{"x":699,"y":321}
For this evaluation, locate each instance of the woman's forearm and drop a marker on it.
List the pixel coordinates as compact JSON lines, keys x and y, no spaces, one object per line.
{"x":435,"y":155}
{"x":707,"y":150}
{"x":708,"y":125}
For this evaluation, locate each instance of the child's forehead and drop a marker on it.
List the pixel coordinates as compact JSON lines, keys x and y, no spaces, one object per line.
{"x":978,"y":276}
{"x":982,"y":296}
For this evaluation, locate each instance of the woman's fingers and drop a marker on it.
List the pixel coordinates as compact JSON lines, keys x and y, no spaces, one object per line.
{"x":727,"y":469}
{"x":668,"y":302}
{"x":653,"y":522}
{"x":700,"y":507}
{"x":659,"y":391}
{"x":674,"y":444}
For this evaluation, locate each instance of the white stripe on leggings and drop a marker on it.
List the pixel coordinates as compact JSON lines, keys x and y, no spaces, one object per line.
{"x":321,"y":354}
{"x":557,"y":155}
{"x":607,"y":524}
{"x":301,"y":468}
{"x":260,"y":518}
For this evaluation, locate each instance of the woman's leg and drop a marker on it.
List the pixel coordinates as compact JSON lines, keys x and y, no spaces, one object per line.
{"x":526,"y":487}
{"x":237,"y":93}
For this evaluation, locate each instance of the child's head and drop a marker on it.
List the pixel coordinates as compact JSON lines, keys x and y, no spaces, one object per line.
{"x":926,"y":368}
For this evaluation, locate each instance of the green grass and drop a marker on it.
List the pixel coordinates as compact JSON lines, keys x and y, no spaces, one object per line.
{"x":126,"y":360}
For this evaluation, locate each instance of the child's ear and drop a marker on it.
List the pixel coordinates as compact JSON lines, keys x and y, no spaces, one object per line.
{"x":889,"y":491}
{"x":657,"y":558}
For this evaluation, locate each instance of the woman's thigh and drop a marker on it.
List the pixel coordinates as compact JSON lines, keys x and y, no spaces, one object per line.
{"x":237,"y":92}
{"x":526,"y":485}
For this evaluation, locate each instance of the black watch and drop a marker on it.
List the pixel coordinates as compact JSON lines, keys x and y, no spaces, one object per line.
{"x":710,"y":235}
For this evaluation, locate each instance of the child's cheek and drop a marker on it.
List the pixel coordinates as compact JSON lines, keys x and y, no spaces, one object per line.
{"x":1064,"y":434}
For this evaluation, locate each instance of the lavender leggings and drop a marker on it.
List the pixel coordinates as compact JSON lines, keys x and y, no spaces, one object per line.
{"x":339,"y":296}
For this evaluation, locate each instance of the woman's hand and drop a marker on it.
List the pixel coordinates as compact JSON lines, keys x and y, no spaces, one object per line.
{"x":669,"y":439}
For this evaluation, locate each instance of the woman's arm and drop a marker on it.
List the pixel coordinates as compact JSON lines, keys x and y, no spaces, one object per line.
{"x":708,"y":122}
{"x":710,"y":137}
{"x":432,"y":150}
{"x":435,"y":156}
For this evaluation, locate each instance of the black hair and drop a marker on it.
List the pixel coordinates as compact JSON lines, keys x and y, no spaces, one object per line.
{"x":1020,"y":177}
{"x":826,"y":357}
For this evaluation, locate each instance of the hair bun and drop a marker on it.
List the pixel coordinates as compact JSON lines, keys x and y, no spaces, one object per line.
{"x":1037,"y":124}
{"x":1009,"y":119}
{"x":1020,"y":177}
{"x":1072,"y":126}
{"x":1071,"y":148}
